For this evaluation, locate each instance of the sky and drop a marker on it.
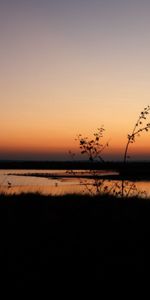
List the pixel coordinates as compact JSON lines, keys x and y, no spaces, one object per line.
{"x":68,"y":67}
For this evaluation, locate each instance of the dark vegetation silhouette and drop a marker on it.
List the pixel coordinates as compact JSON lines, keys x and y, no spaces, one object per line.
{"x":93,"y":149}
{"x":106,"y":231}
{"x":140,"y":126}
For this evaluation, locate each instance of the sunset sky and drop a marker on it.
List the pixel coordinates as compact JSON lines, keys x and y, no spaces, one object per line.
{"x":68,"y":67}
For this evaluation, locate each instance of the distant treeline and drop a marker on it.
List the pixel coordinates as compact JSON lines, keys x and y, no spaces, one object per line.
{"x":59,"y":165}
{"x":131,"y":168}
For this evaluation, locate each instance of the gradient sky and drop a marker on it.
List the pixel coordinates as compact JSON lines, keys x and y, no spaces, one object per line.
{"x":68,"y":67}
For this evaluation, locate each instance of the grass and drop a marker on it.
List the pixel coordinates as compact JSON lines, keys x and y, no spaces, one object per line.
{"x":105,"y":231}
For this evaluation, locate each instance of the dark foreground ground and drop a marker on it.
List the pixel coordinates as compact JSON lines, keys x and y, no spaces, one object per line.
{"x":50,"y":236}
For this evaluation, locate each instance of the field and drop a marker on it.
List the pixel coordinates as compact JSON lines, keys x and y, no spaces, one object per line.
{"x":105,"y":232}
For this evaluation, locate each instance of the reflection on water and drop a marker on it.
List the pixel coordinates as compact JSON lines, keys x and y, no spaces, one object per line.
{"x":11,"y":184}
{"x":58,"y":185}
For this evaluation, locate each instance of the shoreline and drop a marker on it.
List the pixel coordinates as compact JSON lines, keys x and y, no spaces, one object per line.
{"x":132,"y":177}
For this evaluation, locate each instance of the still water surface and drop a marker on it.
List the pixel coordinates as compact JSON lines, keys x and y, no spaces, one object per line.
{"x":55,"y":182}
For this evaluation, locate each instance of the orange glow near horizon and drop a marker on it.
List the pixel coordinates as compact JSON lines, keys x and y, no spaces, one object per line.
{"x":48,"y":143}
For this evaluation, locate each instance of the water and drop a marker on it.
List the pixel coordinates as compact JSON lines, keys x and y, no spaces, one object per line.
{"x":18,"y":181}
